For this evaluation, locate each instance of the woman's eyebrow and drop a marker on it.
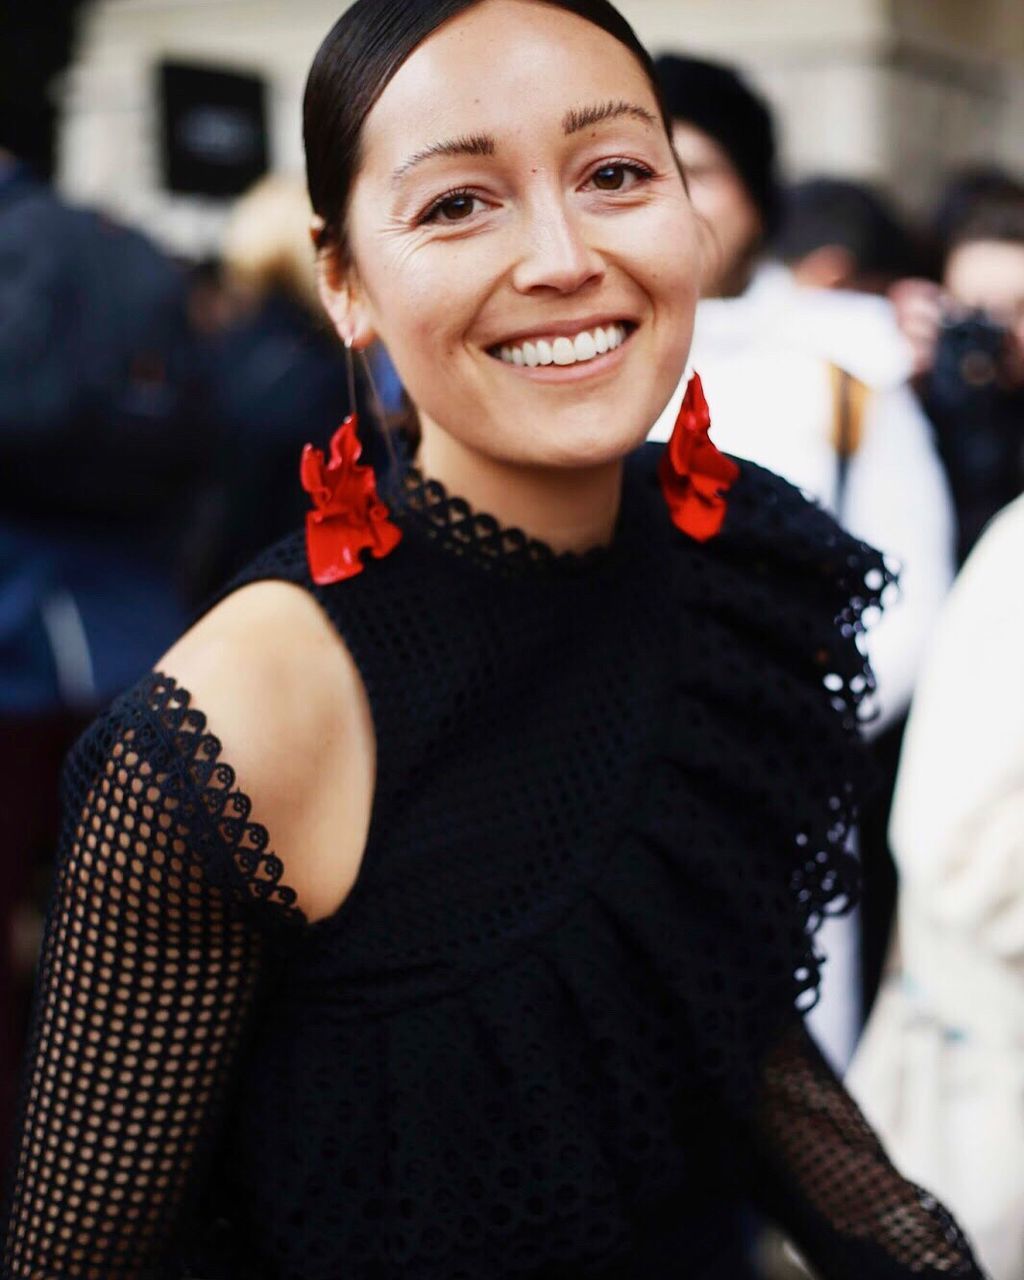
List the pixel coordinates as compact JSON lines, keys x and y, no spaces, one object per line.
{"x":583,"y":117}
{"x":482,"y":144}
{"x":477,"y":144}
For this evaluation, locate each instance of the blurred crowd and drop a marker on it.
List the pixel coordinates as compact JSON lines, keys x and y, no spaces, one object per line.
{"x":152,"y":415}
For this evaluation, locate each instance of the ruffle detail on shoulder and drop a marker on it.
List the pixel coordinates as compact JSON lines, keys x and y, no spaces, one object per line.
{"x":742,"y":842}
{"x":826,"y":587}
{"x":154,"y":738}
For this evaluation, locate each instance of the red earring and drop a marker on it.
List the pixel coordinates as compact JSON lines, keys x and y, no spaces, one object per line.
{"x":348,"y":515}
{"x":694,"y":476}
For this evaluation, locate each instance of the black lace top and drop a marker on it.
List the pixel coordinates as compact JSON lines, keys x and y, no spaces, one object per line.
{"x":551,"y":1032}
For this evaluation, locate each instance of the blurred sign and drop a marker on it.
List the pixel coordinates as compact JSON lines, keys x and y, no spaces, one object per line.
{"x":214,"y":126}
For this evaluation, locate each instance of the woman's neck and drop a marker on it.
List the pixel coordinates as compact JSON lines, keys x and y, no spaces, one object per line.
{"x":569,"y":509}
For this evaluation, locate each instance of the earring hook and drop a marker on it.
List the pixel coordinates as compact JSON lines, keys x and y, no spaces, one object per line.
{"x":377,"y":405}
{"x":351,"y":373}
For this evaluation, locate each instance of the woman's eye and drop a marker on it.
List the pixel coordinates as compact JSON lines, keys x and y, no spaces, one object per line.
{"x":619,"y":177}
{"x":455,"y":207}
{"x":610,"y":177}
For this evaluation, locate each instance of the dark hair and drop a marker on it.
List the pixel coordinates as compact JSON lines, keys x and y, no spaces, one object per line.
{"x":995,"y":217}
{"x":963,"y":194}
{"x":835,"y":211}
{"x":359,"y":56}
{"x":717,"y":99}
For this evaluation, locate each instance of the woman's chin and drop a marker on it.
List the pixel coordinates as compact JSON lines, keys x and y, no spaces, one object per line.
{"x":589,"y":447}
{"x":559,"y":436}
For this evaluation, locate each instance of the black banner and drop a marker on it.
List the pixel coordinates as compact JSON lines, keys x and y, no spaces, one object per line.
{"x":214,"y":127}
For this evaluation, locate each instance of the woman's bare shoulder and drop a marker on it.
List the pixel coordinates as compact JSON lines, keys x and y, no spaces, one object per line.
{"x":281,"y":692}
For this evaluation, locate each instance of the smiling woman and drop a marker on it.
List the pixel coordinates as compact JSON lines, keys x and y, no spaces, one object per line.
{"x":484,"y":956}
{"x":533,"y":217}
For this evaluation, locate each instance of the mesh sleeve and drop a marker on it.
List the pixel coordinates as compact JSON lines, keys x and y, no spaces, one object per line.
{"x":149,"y":969}
{"x":821,"y":1172}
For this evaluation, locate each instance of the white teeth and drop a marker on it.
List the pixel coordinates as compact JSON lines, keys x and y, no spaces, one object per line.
{"x":586,"y":346}
{"x":565,"y":351}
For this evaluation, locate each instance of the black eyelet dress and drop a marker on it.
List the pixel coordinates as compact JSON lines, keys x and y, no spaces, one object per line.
{"x":554,"y":1029}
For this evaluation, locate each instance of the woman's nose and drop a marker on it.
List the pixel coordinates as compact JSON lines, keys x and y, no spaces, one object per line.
{"x":555,"y":253}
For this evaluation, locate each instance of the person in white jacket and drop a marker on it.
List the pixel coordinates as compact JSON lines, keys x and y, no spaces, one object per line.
{"x":940,"y":1070}
{"x":781,"y":363}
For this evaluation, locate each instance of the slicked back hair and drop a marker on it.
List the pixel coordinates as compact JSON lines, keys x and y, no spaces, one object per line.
{"x":355,"y":63}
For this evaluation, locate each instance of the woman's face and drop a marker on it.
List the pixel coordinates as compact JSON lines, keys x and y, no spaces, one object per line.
{"x":521,"y":240}
{"x":988,"y":275}
{"x":731,"y":224}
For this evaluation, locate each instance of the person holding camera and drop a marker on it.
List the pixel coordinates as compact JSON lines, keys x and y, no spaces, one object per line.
{"x":967,"y":335}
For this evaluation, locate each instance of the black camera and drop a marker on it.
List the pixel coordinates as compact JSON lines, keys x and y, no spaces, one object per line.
{"x":978,"y":421}
{"x":968,"y":357}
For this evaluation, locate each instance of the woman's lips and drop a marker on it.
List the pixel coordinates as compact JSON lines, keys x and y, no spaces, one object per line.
{"x":562,"y":350}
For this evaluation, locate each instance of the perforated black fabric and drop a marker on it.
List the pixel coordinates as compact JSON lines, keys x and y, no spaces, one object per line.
{"x":551,"y":1032}
{"x":826,"y":1176}
{"x":148,"y":971}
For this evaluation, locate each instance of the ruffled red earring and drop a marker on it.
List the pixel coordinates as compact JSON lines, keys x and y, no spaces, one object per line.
{"x":348,"y":515}
{"x":694,"y":476}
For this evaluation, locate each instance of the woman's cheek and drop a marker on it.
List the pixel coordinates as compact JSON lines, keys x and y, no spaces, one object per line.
{"x":660,"y":239}
{"x":427,"y":304}
{"x":679,"y":228}
{"x":407,"y":320}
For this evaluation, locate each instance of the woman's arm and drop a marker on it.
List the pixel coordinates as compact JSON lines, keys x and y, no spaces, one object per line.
{"x":167,"y":895}
{"x":818,"y":1169}
{"x":148,"y":973}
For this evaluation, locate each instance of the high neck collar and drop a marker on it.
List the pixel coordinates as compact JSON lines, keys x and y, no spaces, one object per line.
{"x":458,"y":529}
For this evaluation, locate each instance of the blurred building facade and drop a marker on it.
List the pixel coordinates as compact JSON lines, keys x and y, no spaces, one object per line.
{"x":892,"y":90}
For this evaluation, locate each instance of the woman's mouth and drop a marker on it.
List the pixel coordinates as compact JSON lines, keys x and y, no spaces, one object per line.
{"x":564,"y":350}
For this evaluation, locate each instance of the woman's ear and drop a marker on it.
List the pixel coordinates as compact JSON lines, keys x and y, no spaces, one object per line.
{"x":343,"y":299}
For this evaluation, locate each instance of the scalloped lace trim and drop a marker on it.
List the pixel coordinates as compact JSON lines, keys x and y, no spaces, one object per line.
{"x":226,"y":807}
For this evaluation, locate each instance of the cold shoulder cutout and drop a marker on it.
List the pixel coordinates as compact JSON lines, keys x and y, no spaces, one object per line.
{"x":277,"y":685}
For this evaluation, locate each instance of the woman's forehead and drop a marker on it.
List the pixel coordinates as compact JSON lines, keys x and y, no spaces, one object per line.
{"x":499,"y":68}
